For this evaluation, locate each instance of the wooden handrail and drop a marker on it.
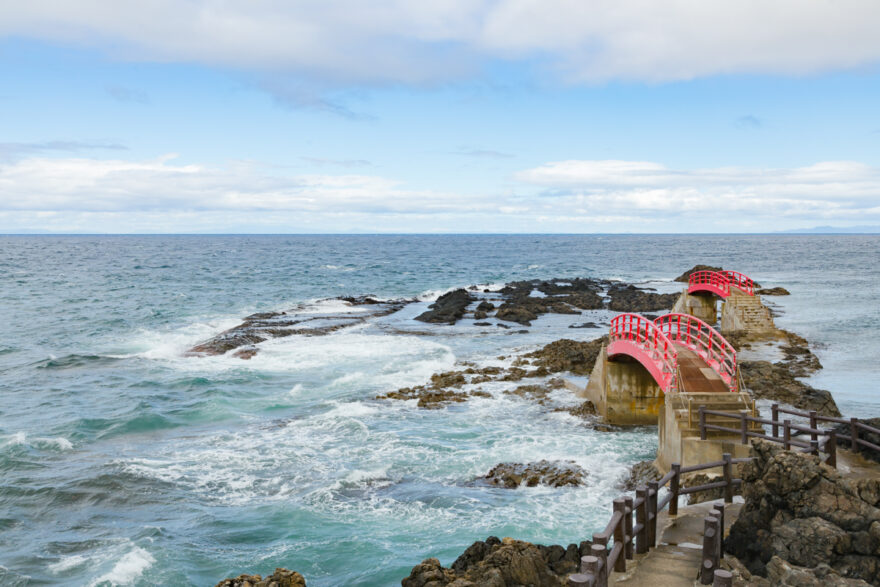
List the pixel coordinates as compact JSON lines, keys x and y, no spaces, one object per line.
{"x":631,"y":537}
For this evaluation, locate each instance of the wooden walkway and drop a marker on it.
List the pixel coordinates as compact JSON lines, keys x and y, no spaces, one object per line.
{"x":675,"y":562}
{"x":696,"y":375}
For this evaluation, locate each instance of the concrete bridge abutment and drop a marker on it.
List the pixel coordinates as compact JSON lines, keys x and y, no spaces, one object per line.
{"x":624,"y":392}
{"x":700,"y":305}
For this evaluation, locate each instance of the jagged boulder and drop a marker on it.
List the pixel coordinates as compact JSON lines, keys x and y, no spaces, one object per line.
{"x":550,"y":473}
{"x":569,"y":355}
{"x":640,"y":474}
{"x":448,"y":308}
{"x":775,"y":381}
{"x":502,"y":563}
{"x":807,"y":514}
{"x":280,"y":578}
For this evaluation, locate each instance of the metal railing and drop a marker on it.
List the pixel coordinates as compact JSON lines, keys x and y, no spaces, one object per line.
{"x":713,"y":281}
{"x":743,"y":282}
{"x":704,"y":340}
{"x":628,"y":537}
{"x":639,"y":337}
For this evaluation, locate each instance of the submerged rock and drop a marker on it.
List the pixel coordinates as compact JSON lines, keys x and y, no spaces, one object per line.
{"x":280,"y":578}
{"x":569,"y":355}
{"x":448,"y":308}
{"x":807,"y":514}
{"x":550,"y":473}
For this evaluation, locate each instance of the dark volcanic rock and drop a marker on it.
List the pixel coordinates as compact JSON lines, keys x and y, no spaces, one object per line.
{"x":569,"y":355}
{"x":584,"y":325}
{"x":502,"y":563}
{"x":448,"y":308}
{"x":584,"y":410}
{"x":629,"y":298}
{"x":485,"y":306}
{"x":519,"y":313}
{"x":552,"y":474}
{"x":684,"y":276}
{"x":773,"y":291}
{"x":265,"y":325}
{"x":775,"y":381}
{"x":280,"y":578}
{"x":807,"y":514}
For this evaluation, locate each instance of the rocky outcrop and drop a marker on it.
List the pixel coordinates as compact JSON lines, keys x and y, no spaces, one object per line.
{"x":684,"y":276}
{"x":569,"y":355}
{"x":262,"y":326}
{"x":807,"y":514}
{"x":550,"y":473}
{"x":640,"y":474}
{"x":774,"y":381}
{"x":280,"y":578}
{"x":629,"y":298}
{"x":502,"y":563}
{"x":584,"y":410}
{"x":448,"y":308}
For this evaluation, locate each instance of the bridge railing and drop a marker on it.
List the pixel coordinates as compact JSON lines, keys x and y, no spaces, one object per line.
{"x":704,"y":340}
{"x":628,"y":537}
{"x":743,"y":282}
{"x":645,"y":335}
{"x":713,"y":279}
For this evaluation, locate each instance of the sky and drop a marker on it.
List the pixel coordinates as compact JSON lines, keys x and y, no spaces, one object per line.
{"x":444,"y":116}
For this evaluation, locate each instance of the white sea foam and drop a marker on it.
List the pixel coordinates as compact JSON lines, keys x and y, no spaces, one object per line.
{"x":67,"y":563}
{"x":295,"y":390}
{"x":59,"y":443}
{"x":350,"y":410}
{"x":131,"y":566}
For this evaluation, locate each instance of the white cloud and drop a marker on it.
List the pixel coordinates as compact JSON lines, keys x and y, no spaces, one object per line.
{"x":400,"y":41}
{"x":161,"y":195}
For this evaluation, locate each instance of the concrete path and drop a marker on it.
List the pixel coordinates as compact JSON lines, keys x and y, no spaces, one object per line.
{"x":676,"y":560}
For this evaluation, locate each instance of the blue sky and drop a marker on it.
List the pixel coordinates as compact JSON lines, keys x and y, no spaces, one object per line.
{"x":453,"y":116}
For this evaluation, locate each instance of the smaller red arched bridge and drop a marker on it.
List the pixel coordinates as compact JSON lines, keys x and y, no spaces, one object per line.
{"x":720,"y":282}
{"x":676,"y":349}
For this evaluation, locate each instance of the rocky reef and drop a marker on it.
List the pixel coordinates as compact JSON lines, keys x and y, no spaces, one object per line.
{"x":543,"y":472}
{"x":448,"y":308}
{"x":629,"y":298}
{"x":280,"y":578}
{"x":502,"y":563}
{"x":808,"y":515}
{"x":569,"y":355}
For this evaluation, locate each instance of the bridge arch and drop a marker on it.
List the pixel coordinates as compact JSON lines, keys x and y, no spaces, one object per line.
{"x":720,"y":282}
{"x":635,"y":336}
{"x":691,"y":332}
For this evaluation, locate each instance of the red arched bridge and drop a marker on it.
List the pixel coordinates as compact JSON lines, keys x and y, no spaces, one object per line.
{"x":720,"y":282}
{"x":677,"y":350}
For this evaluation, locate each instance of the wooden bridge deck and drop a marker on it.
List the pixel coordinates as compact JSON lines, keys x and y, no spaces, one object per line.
{"x":696,"y":375}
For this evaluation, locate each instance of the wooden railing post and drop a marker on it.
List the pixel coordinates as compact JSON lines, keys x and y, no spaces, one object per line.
{"x":620,"y":536}
{"x":718,"y":512}
{"x":722,"y":578}
{"x":854,"y":434}
{"x":642,"y":520}
{"x":673,"y":489}
{"x":653,"y":491}
{"x":628,"y":526}
{"x":775,"y":418}
{"x":744,"y":427}
{"x":580,"y":580}
{"x":728,"y":478}
{"x":601,"y":553}
{"x":814,"y":423}
{"x":709,"y":562}
{"x":786,"y":434}
{"x":702,"y":422}
{"x":831,"y":448}
{"x":814,"y":447}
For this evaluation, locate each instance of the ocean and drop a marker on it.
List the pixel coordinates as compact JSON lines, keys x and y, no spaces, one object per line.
{"x":126,"y":462}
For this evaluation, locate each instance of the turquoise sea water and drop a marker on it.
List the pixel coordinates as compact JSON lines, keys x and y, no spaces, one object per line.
{"x":124,"y":462}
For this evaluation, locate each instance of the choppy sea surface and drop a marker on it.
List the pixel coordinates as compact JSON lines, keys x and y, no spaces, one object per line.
{"x":124,"y":462}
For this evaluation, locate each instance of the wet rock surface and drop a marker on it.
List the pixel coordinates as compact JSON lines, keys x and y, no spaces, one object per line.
{"x":585,"y":410}
{"x":280,"y":578}
{"x":549,"y":473}
{"x":629,"y":298}
{"x":569,"y":355}
{"x":262,"y":326}
{"x":640,"y":474}
{"x":775,"y":381}
{"x":448,"y":308}
{"x":502,"y":563}
{"x":808,"y":515}
{"x":773,"y":291}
